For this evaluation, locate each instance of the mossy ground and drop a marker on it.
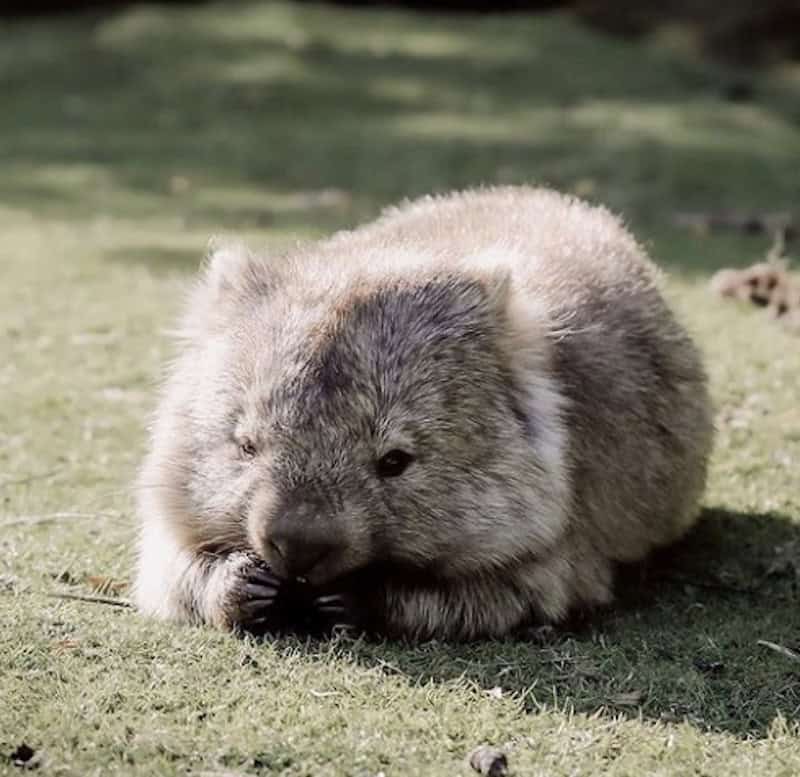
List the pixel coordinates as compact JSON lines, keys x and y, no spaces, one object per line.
{"x":127,"y":138}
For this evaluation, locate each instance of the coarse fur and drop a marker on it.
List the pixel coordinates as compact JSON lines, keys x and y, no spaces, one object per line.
{"x":511,"y":342}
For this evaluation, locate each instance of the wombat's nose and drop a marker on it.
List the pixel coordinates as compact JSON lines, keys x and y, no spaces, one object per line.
{"x":298,"y":550}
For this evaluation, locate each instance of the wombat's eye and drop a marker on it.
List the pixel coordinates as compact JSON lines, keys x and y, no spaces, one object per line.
{"x":393,"y":463}
{"x":247,"y":449}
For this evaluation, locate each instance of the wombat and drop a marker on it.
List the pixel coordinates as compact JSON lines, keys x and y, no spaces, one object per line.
{"x":450,"y":423}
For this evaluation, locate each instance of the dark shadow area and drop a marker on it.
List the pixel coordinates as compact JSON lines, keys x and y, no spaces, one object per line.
{"x":681,"y":644}
{"x":17,"y":8}
{"x":25,"y":8}
{"x":743,"y":31}
{"x":105,"y":112}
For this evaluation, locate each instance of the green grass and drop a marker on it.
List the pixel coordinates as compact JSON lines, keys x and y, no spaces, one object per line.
{"x":127,"y":139}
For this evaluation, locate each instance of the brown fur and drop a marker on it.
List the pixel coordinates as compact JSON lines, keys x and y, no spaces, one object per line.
{"x":512,"y":340}
{"x":767,"y":284}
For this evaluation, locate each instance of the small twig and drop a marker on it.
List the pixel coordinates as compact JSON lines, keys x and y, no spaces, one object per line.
{"x":33,"y":520}
{"x":777,"y":252}
{"x":784,"y":651}
{"x":8,"y":481}
{"x":93,"y":599}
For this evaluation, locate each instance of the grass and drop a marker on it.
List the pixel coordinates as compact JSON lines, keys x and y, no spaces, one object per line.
{"x":126,"y":139}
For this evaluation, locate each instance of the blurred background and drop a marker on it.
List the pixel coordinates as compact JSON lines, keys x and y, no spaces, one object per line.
{"x":284,"y":117}
{"x":748,"y":31}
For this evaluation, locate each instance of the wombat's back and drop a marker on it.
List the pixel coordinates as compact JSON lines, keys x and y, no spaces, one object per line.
{"x":637,"y":415}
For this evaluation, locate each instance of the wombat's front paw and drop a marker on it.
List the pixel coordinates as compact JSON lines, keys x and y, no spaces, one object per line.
{"x":306,"y":611}
{"x":247,"y":598}
{"x":244,"y":594}
{"x":331,"y":612}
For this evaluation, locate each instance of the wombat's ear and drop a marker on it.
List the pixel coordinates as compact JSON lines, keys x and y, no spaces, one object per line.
{"x":231,"y":277}
{"x":231,"y":271}
{"x":522,"y":323}
{"x":526,"y":340}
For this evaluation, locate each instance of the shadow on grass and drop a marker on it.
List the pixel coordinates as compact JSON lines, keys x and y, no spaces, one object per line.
{"x":682,"y":643}
{"x":104,"y":111}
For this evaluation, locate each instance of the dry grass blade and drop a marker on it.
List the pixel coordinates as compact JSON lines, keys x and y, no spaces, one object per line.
{"x":784,"y":651}
{"x":15,"y":481}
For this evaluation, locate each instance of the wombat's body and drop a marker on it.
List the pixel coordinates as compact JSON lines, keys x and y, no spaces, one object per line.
{"x":459,"y":416}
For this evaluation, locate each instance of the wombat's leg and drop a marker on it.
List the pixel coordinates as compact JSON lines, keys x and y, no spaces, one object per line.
{"x":469,"y":610}
{"x":173,"y":583}
{"x":537,"y":591}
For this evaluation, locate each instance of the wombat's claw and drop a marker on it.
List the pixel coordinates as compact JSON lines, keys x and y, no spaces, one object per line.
{"x":259,"y":591}
{"x":251,"y":608}
{"x":332,"y":612}
{"x":257,"y":626}
{"x":329,"y":599}
{"x":331,"y":604}
{"x":337,"y":612}
{"x":256,"y":597}
{"x":260,"y":575}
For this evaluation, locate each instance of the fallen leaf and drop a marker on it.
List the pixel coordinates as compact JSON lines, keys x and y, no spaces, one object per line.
{"x":62,"y":645}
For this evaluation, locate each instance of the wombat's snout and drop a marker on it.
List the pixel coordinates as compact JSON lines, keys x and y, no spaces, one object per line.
{"x":297,"y":550}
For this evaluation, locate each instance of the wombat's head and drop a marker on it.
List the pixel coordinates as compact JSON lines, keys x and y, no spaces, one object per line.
{"x":402,"y":418}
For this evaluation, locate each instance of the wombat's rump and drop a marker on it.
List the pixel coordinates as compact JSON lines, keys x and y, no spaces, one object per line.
{"x":446,"y":423}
